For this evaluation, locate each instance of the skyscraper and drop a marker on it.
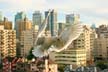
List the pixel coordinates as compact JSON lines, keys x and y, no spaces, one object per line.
{"x":23,"y":25}
{"x":19,"y":16}
{"x":0,"y":16}
{"x":52,"y":22}
{"x":61,"y":27}
{"x":72,"y":18}
{"x":26,"y":42}
{"x":37,"y":18}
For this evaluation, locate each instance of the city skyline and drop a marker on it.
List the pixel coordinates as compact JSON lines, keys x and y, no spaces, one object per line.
{"x":91,"y":11}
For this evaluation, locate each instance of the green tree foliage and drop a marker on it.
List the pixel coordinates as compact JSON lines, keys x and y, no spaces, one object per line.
{"x":102,"y":65}
{"x":1,"y":66}
{"x":61,"y":68}
{"x":30,"y":55}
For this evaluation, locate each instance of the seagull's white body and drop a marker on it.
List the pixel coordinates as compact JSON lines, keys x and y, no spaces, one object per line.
{"x":44,"y":46}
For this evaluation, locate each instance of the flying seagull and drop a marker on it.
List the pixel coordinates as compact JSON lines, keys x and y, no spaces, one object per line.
{"x":44,"y":45}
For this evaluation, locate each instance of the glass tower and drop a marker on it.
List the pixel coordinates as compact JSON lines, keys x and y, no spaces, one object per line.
{"x":0,"y":16}
{"x":52,"y":22}
{"x":72,"y":18}
{"x":37,"y":18}
{"x":19,"y":16}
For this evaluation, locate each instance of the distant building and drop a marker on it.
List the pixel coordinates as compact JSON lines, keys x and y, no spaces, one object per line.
{"x":72,"y":18}
{"x":7,"y":43}
{"x":79,"y":52}
{"x":23,"y":25}
{"x":61,"y":27}
{"x":35,"y":66}
{"x":7,"y":24}
{"x":102,"y":31}
{"x":93,"y":37}
{"x":86,"y":41}
{"x":18,"y":16}
{"x":101,"y":48}
{"x":75,"y":57}
{"x":22,"y":67}
{"x":52,"y":22}
{"x":93,"y":26}
{"x":0,"y":16}
{"x":26,"y":42}
{"x":101,"y":42}
{"x":37,"y":18}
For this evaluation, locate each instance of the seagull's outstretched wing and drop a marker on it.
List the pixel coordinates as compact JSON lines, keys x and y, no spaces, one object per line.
{"x":67,"y":36}
{"x":38,"y":52}
{"x":37,"y":48}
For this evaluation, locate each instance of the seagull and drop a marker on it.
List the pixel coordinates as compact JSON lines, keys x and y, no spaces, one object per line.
{"x":45,"y":45}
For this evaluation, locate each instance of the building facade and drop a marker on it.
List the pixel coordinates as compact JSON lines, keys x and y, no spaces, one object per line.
{"x":26,"y":42}
{"x":75,"y":57}
{"x":37,"y":18}
{"x":101,"y":48}
{"x":7,"y":24}
{"x":72,"y":18}
{"x":52,"y":22}
{"x":23,"y":25}
{"x":0,"y":16}
{"x":18,"y":16}
{"x":102,"y":31}
{"x":80,"y":51}
{"x":7,"y":43}
{"x":101,"y":42}
{"x":61,"y":27}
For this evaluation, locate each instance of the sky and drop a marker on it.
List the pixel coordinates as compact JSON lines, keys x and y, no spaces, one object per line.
{"x":91,"y":11}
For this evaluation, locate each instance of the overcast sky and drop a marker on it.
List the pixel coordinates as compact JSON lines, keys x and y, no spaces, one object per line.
{"x":91,"y":11}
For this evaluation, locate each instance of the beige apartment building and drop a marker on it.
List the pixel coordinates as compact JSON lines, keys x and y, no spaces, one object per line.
{"x":101,"y":42}
{"x":7,"y":42}
{"x":79,"y":52}
{"x":23,"y":25}
{"x":26,"y":42}
{"x":75,"y":57}
{"x":101,"y":48}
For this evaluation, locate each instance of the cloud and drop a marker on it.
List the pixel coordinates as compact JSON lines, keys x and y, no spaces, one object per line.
{"x":101,"y":21}
{"x":17,"y":5}
{"x":94,"y":10}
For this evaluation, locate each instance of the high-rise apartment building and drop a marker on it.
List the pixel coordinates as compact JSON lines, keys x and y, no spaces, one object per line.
{"x":101,"y":42}
{"x":75,"y":57}
{"x":101,"y":48}
{"x":19,"y":16}
{"x":23,"y":25}
{"x":93,"y":37}
{"x":7,"y":24}
{"x":79,"y":52}
{"x":102,"y":31}
{"x":52,"y":22}
{"x":72,"y":18}
{"x":37,"y":18}
{"x":27,"y":40}
{"x":7,"y":42}
{"x":0,"y":16}
{"x":61,"y":27}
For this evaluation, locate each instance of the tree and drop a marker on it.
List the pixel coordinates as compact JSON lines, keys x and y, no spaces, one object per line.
{"x":101,"y":65}
{"x":30,"y":55}
{"x":61,"y":67}
{"x":1,"y":66}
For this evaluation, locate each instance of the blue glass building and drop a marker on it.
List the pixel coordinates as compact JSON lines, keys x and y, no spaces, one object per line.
{"x":52,"y":22}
